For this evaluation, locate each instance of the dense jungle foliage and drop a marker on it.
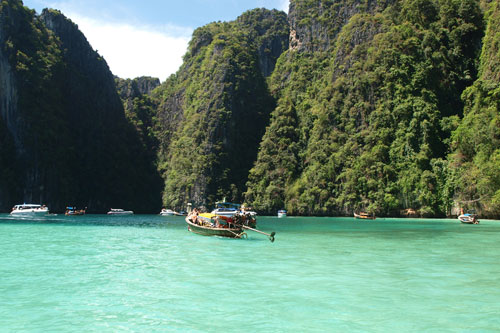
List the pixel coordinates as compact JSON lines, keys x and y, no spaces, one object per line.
{"x":365,"y":123}
{"x":214,"y":111}
{"x":475,"y":161}
{"x":389,"y":107}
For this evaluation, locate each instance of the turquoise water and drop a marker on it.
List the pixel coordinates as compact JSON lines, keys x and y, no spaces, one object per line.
{"x":144,"y":273}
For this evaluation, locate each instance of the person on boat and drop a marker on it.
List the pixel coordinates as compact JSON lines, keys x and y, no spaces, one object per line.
{"x":194,"y":216}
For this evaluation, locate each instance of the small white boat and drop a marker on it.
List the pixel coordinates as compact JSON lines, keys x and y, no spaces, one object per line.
{"x":281,"y":213}
{"x":119,"y":211}
{"x":29,"y":210}
{"x":229,"y":209}
{"x":228,"y":212}
{"x":468,"y":218}
{"x":168,"y":212}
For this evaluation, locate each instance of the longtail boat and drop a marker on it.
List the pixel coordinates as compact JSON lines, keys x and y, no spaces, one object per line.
{"x":213,"y":225}
{"x":364,"y":216}
{"x":209,"y":224}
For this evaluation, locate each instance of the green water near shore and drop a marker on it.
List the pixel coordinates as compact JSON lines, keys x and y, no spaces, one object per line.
{"x":144,"y":273}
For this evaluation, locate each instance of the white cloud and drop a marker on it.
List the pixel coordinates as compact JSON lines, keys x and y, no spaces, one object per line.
{"x":284,"y":4}
{"x":133,"y":51}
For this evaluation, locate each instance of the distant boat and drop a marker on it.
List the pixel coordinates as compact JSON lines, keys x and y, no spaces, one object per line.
{"x":73,"y":211}
{"x":468,"y":218}
{"x":29,"y":210}
{"x":281,"y":213}
{"x":119,"y":211}
{"x":229,"y":209}
{"x":364,"y":216}
{"x":168,"y":212}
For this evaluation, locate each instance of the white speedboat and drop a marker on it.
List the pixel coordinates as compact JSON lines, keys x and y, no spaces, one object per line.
{"x":281,"y":213}
{"x":168,"y":212}
{"x":119,"y":211}
{"x":29,"y":210}
{"x":230,"y":209}
{"x":228,"y":212}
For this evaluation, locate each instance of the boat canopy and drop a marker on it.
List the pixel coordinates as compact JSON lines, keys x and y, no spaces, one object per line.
{"x":225,"y":204}
{"x":208,"y":215}
{"x":28,"y":206}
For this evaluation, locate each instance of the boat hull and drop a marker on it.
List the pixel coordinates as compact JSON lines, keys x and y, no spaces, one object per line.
{"x":364,"y":217}
{"x":120,"y":212}
{"x":30,"y":213}
{"x":74,"y":213}
{"x":213,"y":231}
{"x":468,"y":219}
{"x":282,"y":213}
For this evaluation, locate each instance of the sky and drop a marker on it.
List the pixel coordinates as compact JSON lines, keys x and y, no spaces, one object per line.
{"x":148,"y":37}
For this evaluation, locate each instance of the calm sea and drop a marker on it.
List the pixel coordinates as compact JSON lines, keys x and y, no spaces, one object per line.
{"x":144,"y":273}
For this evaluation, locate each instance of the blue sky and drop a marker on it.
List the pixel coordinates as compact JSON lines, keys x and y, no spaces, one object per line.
{"x":147,"y":37}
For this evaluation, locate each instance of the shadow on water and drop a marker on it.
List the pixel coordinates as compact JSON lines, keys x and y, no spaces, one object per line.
{"x":142,"y":221}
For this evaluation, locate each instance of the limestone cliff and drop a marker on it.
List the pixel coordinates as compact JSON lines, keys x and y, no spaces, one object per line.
{"x":62,"y":114}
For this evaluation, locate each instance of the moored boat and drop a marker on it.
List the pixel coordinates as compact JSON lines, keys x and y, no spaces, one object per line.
{"x":29,"y":210}
{"x":70,"y":211}
{"x":229,"y":209}
{"x":281,"y":213}
{"x":364,"y":216}
{"x":236,"y":213}
{"x":168,"y":212}
{"x":119,"y":211}
{"x":468,"y":218}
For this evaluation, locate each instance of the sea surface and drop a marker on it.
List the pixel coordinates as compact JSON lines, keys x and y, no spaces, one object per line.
{"x":146,"y":273}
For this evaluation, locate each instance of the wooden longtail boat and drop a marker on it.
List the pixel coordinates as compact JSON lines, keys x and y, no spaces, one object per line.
{"x":364,"y":216}
{"x":208,"y":225}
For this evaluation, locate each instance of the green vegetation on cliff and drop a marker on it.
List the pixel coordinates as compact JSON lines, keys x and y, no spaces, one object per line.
{"x":73,"y":144}
{"x":215,"y":109}
{"x":475,"y":161}
{"x":341,"y":106}
{"x":372,"y":110}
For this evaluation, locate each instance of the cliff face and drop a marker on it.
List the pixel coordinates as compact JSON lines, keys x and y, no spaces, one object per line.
{"x":73,"y":144}
{"x":344,"y":105}
{"x":8,"y":127}
{"x":270,"y":33}
{"x":130,"y":89}
{"x":367,"y":93}
{"x":31,"y":106}
{"x":213,"y":112}
{"x":141,"y":109}
{"x":474,"y":162}
{"x":315,"y":24}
